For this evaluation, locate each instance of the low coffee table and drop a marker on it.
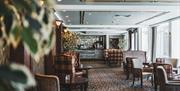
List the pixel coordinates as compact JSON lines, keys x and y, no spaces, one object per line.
{"x":78,"y":82}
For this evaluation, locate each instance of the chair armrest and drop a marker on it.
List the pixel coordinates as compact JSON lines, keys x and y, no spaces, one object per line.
{"x":173,"y":83}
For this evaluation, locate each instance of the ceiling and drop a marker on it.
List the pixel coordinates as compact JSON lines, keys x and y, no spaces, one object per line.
{"x":112,"y":13}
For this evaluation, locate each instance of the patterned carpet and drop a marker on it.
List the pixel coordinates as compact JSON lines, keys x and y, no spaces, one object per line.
{"x":106,"y":78}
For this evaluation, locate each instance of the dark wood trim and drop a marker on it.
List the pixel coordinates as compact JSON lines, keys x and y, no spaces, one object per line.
{"x":17,"y":54}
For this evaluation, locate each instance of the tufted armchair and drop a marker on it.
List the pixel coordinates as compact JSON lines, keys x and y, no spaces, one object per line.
{"x":113,"y":56}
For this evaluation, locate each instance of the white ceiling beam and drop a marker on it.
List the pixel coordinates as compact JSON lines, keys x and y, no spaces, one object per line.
{"x":103,"y":26}
{"x":99,"y":30}
{"x":118,"y":7}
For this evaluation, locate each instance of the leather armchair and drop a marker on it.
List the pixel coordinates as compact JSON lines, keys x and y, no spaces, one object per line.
{"x":164,"y":83}
{"x":47,"y":82}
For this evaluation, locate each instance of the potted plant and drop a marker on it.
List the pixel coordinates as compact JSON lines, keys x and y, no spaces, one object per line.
{"x":70,"y":40}
{"x":15,"y":77}
{"x":29,"y":22}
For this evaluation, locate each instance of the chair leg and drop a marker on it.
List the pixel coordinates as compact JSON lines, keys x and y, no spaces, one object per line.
{"x":141,"y":81}
{"x":127,"y":75}
{"x":133,"y":81}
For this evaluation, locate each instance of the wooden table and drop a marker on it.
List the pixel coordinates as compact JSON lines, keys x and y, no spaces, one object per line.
{"x":86,"y":68}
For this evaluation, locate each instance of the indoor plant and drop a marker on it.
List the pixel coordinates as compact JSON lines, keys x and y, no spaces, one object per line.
{"x":15,"y":77}
{"x":70,"y":40}
{"x":28,"y":22}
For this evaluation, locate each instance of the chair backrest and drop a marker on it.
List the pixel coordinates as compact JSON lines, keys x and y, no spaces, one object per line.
{"x":137,"y":63}
{"x":64,"y":65}
{"x":47,"y":82}
{"x":160,"y":60}
{"x":167,"y":68}
{"x":172,"y":61}
{"x":161,"y":75}
{"x":138,"y":54}
{"x":113,"y":54}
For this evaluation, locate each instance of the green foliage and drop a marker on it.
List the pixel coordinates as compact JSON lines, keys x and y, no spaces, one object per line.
{"x":70,"y":40}
{"x":15,"y":77}
{"x":29,"y":40}
{"x":29,"y":22}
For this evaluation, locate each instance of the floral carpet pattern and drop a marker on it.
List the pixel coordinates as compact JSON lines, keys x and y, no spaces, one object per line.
{"x":113,"y":79}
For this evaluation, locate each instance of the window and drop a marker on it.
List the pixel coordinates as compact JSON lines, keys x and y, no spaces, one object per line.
{"x":145,"y":40}
{"x":175,"y":37}
{"x":162,"y":40}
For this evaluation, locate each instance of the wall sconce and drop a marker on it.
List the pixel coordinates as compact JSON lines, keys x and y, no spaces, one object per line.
{"x":66,"y":30}
{"x":58,"y":22}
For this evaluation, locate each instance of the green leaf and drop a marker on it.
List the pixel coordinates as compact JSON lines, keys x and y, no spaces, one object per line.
{"x":50,"y":39}
{"x":16,"y":32}
{"x":23,"y":5}
{"x":27,"y":37}
{"x":33,"y":23}
{"x":7,"y":14}
{"x":12,"y":75}
{"x":45,"y":17}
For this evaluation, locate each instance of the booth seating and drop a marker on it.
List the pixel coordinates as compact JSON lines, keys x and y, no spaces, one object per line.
{"x":113,"y":56}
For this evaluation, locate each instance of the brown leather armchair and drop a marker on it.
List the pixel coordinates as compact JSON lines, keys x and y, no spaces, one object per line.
{"x":164,"y":83}
{"x":65,"y":65}
{"x":47,"y":82}
{"x":166,"y":67}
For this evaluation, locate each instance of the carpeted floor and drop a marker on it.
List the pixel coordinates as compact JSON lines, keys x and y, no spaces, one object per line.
{"x":104,"y":78}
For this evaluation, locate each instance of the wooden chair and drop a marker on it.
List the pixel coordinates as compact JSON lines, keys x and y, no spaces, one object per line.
{"x":47,"y":82}
{"x":165,"y":84}
{"x":138,"y":71}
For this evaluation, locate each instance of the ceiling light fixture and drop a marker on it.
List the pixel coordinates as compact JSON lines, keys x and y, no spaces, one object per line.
{"x":59,"y":0}
{"x":69,"y":20}
{"x":67,"y":16}
{"x":41,"y":2}
{"x":58,"y":22}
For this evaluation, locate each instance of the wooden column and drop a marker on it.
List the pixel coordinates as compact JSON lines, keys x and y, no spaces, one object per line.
{"x":59,"y":47}
{"x":20,"y":55}
{"x":17,"y":55}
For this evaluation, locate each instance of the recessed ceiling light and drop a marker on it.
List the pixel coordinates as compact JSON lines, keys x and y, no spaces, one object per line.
{"x":64,"y":10}
{"x":90,"y":14}
{"x":59,"y":0}
{"x":67,"y":16}
{"x":69,"y":20}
